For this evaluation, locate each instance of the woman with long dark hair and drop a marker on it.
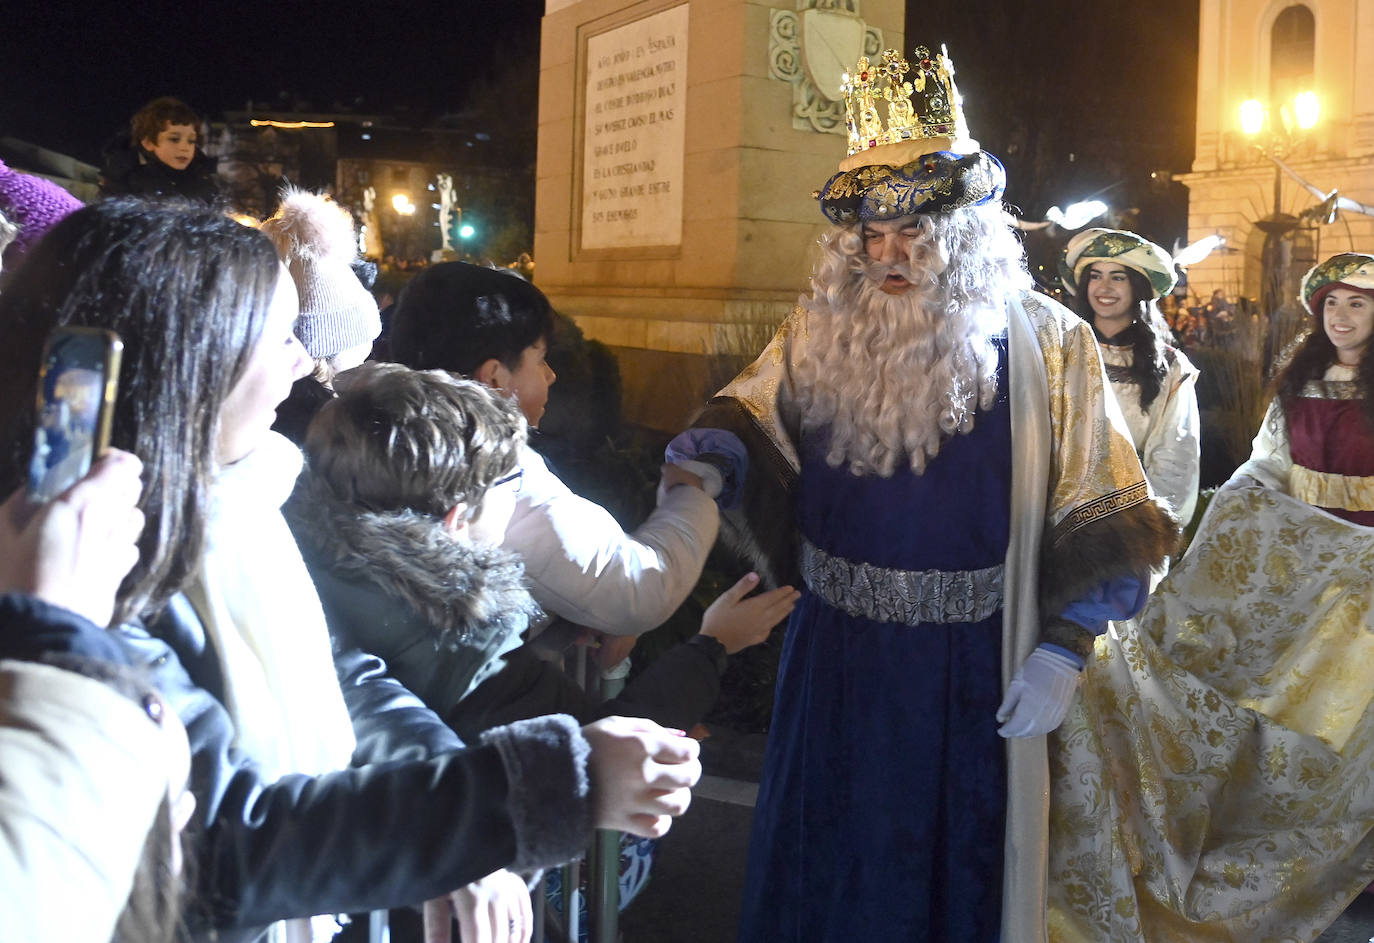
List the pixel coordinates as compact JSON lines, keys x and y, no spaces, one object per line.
{"x":317,"y":794}
{"x":1116,"y":279}
{"x":1213,"y":779}
{"x":1317,"y":440}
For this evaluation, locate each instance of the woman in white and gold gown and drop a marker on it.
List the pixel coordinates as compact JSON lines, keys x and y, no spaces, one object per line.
{"x":1215,"y":779}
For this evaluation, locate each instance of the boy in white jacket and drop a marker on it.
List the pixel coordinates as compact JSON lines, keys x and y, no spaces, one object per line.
{"x":494,"y":327}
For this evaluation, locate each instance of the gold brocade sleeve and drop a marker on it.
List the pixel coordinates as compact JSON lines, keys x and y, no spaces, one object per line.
{"x":1329,"y":490}
{"x":764,"y":388}
{"x":1093,"y":466}
{"x":757,"y":407}
{"x":1102,"y":521}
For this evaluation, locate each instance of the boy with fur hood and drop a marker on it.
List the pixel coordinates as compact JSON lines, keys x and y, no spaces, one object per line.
{"x":412,"y":477}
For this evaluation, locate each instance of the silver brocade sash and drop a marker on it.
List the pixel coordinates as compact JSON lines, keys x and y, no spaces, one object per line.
{"x":908,"y":597}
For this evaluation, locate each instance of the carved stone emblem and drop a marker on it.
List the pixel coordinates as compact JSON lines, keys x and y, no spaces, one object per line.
{"x":811,"y":48}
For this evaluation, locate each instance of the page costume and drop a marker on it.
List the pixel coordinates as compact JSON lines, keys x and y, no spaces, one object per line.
{"x":1167,"y":434}
{"x":1323,"y":453}
{"x":1212,"y":782}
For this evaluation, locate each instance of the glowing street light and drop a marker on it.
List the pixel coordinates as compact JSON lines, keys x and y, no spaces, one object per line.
{"x":1304,"y":111}
{"x":1274,"y":140}
{"x":401,"y":204}
{"x":1307,"y":109}
{"x":1252,"y":116}
{"x":466,"y":231}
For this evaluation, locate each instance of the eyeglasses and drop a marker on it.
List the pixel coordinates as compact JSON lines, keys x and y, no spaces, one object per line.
{"x":517,"y":476}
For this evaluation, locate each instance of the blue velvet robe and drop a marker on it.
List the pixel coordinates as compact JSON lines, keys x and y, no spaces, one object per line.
{"x":833,"y":856}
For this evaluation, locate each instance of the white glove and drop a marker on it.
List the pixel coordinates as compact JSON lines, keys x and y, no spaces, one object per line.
{"x":1039,"y":695}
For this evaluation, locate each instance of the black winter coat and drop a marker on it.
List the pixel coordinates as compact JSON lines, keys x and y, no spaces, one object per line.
{"x":34,"y":630}
{"x":441,"y":613}
{"x":135,"y":172}
{"x":415,"y":817}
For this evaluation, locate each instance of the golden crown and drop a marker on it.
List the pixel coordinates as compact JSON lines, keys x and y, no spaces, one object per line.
{"x":924,"y":113}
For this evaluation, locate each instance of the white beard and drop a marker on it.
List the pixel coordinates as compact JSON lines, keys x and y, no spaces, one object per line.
{"x":892,"y":376}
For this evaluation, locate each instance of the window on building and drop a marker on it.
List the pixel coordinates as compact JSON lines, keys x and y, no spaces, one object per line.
{"x":1292,"y":53}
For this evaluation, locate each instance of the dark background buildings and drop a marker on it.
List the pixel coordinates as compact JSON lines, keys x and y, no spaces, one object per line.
{"x":1078,"y":98}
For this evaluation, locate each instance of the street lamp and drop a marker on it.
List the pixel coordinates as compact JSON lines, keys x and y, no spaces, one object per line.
{"x":1301,"y":114}
{"x":1294,"y":118}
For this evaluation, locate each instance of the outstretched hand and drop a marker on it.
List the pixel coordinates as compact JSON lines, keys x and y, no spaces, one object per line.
{"x":493,"y":909}
{"x":737,"y":622}
{"x":73,"y":551}
{"x":674,"y":475}
{"x":641,"y":774}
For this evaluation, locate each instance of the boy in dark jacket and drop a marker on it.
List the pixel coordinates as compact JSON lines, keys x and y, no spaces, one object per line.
{"x":161,"y":159}
{"x":412,"y":478}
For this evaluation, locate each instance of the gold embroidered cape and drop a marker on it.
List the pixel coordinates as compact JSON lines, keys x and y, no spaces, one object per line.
{"x":1213,"y":782}
{"x":1082,"y":513}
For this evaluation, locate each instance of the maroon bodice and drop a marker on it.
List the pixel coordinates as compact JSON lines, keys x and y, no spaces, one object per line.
{"x":1332,"y":436}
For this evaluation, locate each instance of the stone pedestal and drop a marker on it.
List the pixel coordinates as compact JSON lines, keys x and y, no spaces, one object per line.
{"x":679,"y":147}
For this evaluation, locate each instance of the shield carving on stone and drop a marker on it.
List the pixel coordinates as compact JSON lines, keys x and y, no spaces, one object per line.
{"x":831,"y":43}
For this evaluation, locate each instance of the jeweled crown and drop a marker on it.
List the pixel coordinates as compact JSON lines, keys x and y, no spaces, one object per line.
{"x":923,"y":108}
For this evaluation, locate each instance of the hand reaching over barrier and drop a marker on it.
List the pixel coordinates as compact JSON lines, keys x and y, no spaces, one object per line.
{"x":641,"y":774}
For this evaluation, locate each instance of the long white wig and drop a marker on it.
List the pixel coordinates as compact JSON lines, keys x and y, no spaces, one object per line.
{"x":892,"y":376}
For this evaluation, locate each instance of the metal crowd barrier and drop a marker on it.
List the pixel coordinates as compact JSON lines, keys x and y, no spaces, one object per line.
{"x":602,"y":859}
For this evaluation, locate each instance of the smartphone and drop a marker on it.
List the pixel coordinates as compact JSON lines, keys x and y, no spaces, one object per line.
{"x":77,"y":382}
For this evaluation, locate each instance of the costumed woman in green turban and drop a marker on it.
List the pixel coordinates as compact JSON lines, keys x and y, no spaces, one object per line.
{"x":1116,"y":278}
{"x":1212,"y":781}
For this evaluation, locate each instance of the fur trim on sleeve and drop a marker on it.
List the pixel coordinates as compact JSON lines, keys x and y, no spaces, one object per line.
{"x":1130,"y":541}
{"x":549,"y":796}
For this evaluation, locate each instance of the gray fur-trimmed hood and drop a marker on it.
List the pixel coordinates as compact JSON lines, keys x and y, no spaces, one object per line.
{"x":470,"y":598}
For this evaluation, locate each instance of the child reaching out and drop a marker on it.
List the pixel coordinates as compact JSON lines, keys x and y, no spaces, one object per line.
{"x":412,"y":479}
{"x":494,"y":327}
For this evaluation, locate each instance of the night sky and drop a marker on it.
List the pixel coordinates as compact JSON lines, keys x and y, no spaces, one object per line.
{"x":1076,"y":96}
{"x":74,"y":70}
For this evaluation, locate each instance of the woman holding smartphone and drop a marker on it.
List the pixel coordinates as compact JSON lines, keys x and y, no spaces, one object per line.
{"x":317,"y":794}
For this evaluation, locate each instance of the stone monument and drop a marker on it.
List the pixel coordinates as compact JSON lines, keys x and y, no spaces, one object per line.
{"x":680,"y":142}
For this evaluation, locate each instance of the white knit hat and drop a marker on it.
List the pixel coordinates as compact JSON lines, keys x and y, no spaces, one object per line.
{"x":314,"y":236}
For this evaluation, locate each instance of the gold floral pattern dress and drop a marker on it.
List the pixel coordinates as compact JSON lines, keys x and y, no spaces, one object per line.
{"x":1215,"y":780}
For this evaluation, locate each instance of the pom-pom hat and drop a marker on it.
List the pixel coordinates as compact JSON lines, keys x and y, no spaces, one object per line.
{"x":316,"y":240}
{"x":1353,"y":270}
{"x":1123,"y":248}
